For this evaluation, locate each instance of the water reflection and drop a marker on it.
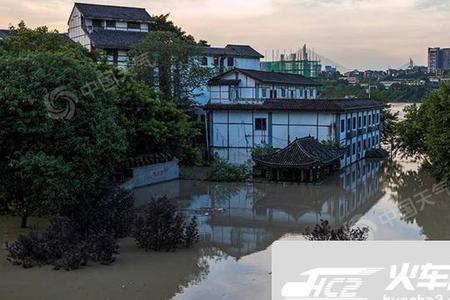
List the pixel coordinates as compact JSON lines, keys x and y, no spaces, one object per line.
{"x":241,"y":219}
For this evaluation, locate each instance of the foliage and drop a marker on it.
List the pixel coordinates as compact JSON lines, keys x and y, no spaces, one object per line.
{"x":389,"y":127}
{"x":28,"y":251}
{"x":169,"y":65}
{"x":223,"y":171}
{"x":102,"y":247}
{"x":162,"y":23}
{"x":46,"y":161}
{"x":263,"y":150}
{"x":162,"y":227}
{"x":412,"y":131}
{"x":153,"y":126}
{"x":324,"y":232}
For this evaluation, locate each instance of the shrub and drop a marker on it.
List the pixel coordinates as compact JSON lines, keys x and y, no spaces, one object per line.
{"x":161,"y":227}
{"x":102,"y":247}
{"x":28,"y":251}
{"x":223,"y":171}
{"x":324,"y":232}
{"x":263,"y":150}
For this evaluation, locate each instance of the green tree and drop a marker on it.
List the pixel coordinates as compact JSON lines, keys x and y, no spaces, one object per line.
{"x":56,"y":145}
{"x":153,"y":126}
{"x":170,"y":65}
{"x":389,"y":127}
{"x":411,"y":132}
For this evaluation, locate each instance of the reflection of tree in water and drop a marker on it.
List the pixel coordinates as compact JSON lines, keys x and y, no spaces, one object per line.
{"x":434,"y":219}
{"x":221,"y":193}
{"x":391,"y":171}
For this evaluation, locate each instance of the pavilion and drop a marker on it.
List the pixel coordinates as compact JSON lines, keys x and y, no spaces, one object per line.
{"x":303,"y":160}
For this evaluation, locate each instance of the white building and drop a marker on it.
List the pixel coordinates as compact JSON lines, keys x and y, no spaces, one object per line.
{"x":223,"y":59}
{"x":250,"y":108}
{"x":110,"y":29}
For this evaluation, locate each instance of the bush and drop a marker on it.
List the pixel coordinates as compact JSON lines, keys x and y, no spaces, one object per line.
{"x":28,"y":251}
{"x":263,"y":150}
{"x":102,"y":247}
{"x":223,"y":171}
{"x":162,"y":227}
{"x":324,"y":232}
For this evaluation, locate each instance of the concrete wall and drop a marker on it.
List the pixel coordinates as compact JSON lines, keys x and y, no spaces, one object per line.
{"x":153,"y":174}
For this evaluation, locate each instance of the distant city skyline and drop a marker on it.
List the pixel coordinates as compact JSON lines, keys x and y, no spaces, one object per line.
{"x":358,"y":34}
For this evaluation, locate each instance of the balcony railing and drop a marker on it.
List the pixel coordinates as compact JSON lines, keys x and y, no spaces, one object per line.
{"x":244,"y":94}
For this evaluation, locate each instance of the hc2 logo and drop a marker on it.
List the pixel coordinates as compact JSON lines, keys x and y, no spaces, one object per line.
{"x":332,"y":283}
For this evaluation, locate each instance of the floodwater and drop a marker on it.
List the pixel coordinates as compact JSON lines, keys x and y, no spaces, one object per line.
{"x":397,"y":200}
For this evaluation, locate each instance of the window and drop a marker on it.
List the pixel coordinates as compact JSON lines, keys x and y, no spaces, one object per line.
{"x":292,"y":94}
{"x":264,"y":92}
{"x":378,"y":118}
{"x":365,"y":121}
{"x":349,"y":124}
{"x":216,"y":60}
{"x":359,"y":122}
{"x":230,"y":61}
{"x":204,"y":61}
{"x":354,"y":123}
{"x":311,"y":93}
{"x":111,"y":24}
{"x":260,"y":124}
{"x":342,"y":125}
{"x":301,"y":94}
{"x":97,"y":23}
{"x":134,"y":25}
{"x":273,"y":94}
{"x":283,"y":93}
{"x":354,"y":149}
{"x":370,"y":120}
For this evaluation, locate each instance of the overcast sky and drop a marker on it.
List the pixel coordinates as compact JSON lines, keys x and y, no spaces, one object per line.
{"x":354,"y":33}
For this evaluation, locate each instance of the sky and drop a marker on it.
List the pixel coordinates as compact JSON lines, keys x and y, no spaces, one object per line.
{"x":362,"y":34}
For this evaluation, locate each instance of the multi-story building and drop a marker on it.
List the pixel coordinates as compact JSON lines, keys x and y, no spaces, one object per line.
{"x":223,"y":59}
{"x":110,"y":29}
{"x":438,"y":60}
{"x":249,"y":108}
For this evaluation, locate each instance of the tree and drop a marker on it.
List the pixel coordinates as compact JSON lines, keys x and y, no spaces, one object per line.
{"x":389,"y":127}
{"x":57,"y":144}
{"x":169,"y":65}
{"x":411,"y":132}
{"x":153,"y":126}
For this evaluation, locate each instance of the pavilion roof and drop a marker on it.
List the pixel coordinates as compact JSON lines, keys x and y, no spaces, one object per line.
{"x":302,"y":153}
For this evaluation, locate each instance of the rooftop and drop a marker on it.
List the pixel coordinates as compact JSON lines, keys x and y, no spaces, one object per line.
{"x":233,"y":50}
{"x":271,"y":77}
{"x":301,"y":153}
{"x":329,"y":105}
{"x":110,"y":39}
{"x":109,"y":12}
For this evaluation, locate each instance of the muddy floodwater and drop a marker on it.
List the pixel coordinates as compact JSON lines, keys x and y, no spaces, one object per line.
{"x":238,"y":223}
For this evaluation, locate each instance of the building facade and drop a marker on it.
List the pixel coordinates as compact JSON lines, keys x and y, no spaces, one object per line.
{"x":438,"y":60}
{"x":248,"y":109}
{"x":221,"y":60}
{"x":112,"y":30}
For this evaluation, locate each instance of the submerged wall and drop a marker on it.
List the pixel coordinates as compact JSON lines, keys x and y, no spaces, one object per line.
{"x":153,"y":174}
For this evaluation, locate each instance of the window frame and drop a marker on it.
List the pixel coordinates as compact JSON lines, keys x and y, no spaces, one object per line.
{"x":260,"y":124}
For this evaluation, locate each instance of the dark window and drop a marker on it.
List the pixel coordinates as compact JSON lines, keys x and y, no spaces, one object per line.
{"x":222,"y":61}
{"x":349,"y":124}
{"x":264,"y":92}
{"x":365,"y":121}
{"x":260,"y":124}
{"x":354,"y":122}
{"x":230,"y":61}
{"x":204,"y":61}
{"x":111,"y":24}
{"x":359,"y":146}
{"x":283,"y":93}
{"x":97,"y":23}
{"x":354,"y":149}
{"x":359,"y":122}
{"x":134,"y":25}
{"x":370,"y":120}
{"x":292,"y":94}
{"x":273,"y":94}
{"x":378,"y":118}
{"x":342,"y":125}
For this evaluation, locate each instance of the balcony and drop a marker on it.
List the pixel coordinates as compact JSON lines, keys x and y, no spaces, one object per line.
{"x":226,"y":95}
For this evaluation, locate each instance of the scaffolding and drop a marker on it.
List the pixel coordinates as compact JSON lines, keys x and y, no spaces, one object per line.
{"x":303,"y":62}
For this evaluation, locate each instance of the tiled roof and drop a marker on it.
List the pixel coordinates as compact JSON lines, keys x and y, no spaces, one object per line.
{"x":301,"y":153}
{"x":4,"y":33}
{"x":330,"y":105}
{"x":120,"y":13}
{"x":114,"y":39}
{"x":272,"y":77}
{"x":233,"y":50}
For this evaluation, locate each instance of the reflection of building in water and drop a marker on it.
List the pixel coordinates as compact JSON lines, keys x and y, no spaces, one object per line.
{"x":255,"y":215}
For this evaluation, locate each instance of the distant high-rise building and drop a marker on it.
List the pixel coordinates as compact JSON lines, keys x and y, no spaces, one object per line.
{"x":438,"y":60}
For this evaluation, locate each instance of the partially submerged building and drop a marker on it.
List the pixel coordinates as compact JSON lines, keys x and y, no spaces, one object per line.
{"x":248,"y":109}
